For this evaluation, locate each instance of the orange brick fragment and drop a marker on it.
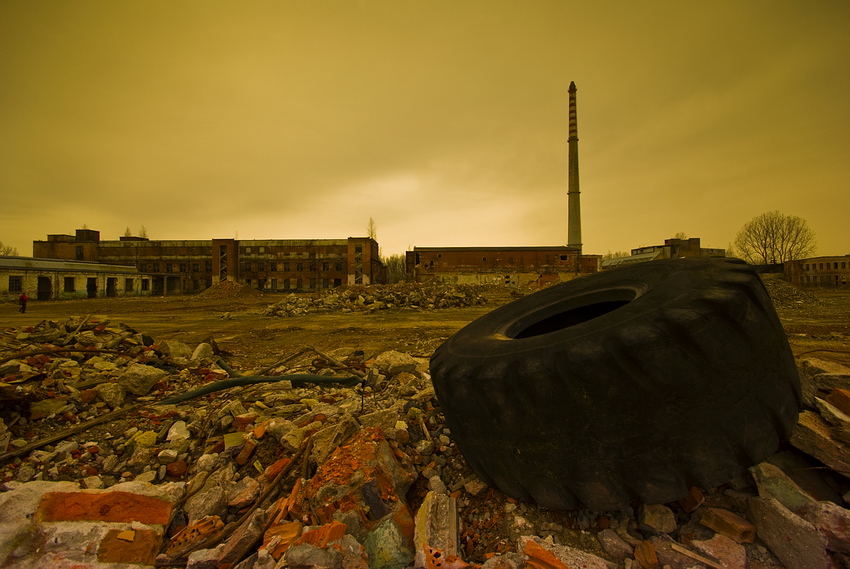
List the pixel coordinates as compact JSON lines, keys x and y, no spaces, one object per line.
{"x":539,"y":558}
{"x":103,"y":507}
{"x":246,"y":452}
{"x":731,"y":525}
{"x":645,"y":555}
{"x":840,"y":398}
{"x":142,"y":549}
{"x":322,"y":536}
{"x":693,"y":500}
{"x":288,"y":532}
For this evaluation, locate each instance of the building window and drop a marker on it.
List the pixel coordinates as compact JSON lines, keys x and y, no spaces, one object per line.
{"x":326,"y":266}
{"x":128,"y":285}
{"x":248,"y":282}
{"x":69,"y":284}
{"x":261,"y":266}
{"x":167,"y":267}
{"x":843,"y":264}
{"x":286,"y":267}
{"x":262,"y":249}
{"x":274,"y":284}
{"x":285,"y":284}
{"x":78,"y":252}
{"x":16,"y":283}
{"x":835,"y":266}
{"x":247,"y":249}
{"x":299,"y":267}
{"x":182,"y":267}
{"x":208,"y":266}
{"x":821,"y":266}
{"x":146,"y":284}
{"x":195,"y":267}
{"x":312,"y":268}
{"x":156,"y":267}
{"x":338,"y":266}
{"x":807,"y":266}
{"x":273,"y":267}
{"x":563,"y":257}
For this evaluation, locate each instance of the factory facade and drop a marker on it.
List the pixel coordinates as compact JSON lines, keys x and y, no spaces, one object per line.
{"x":190,"y":266}
{"x":830,"y":272}
{"x":671,"y":249}
{"x":48,"y":279}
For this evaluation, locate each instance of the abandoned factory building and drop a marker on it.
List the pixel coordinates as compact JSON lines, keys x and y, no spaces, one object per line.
{"x":672,"y":249}
{"x":819,"y":271}
{"x":47,"y":279}
{"x":534,"y":267}
{"x":190,"y":266}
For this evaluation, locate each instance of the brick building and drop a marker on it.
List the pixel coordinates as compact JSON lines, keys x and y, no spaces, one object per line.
{"x":190,"y":266}
{"x":819,"y":271}
{"x":533,"y":267}
{"x":49,"y":279}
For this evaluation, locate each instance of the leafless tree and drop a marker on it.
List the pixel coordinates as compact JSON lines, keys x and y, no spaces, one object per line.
{"x":775,"y":238}
{"x":372,"y":230}
{"x":128,"y":233}
{"x":8,"y":250}
{"x":616,"y":254}
{"x":143,"y":232}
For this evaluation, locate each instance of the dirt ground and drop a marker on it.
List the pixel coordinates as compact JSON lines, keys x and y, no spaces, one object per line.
{"x":254,"y":340}
{"x":817,"y":322}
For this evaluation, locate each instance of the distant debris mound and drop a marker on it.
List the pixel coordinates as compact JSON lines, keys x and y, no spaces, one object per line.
{"x":229,"y":289}
{"x":785,"y":295}
{"x":359,"y":298}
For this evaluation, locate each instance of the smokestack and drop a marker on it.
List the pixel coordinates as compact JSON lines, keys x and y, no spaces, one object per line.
{"x":573,"y":193}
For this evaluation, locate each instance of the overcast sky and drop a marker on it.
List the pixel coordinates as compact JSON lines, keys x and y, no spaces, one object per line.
{"x":445,"y":121}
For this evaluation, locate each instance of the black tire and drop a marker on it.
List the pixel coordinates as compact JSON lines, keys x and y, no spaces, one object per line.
{"x":631,"y":384}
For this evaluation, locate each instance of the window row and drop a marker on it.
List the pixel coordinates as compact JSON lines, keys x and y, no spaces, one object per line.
{"x":294,"y":284}
{"x":174,"y":267}
{"x":312,"y":266}
{"x":820,"y":266}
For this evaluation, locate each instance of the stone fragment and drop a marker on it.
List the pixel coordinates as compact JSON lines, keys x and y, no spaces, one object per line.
{"x":832,"y":521}
{"x":113,"y":394}
{"x":509,"y":560}
{"x":614,"y":545}
{"x":794,"y":541}
{"x":175,"y":349}
{"x":393,"y":362}
{"x":771,"y":481}
{"x":840,"y":398}
{"x":243,"y":493}
{"x":202,"y":351}
{"x":205,"y":558}
{"x":731,"y":554}
{"x":211,"y":499}
{"x":657,"y":518}
{"x":436,"y":526}
{"x":178,"y":431}
{"x":238,"y":543}
{"x":17,"y":524}
{"x":139,"y":378}
{"x":812,"y":436}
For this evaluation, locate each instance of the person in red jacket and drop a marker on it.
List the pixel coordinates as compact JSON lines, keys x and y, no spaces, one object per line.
{"x":22,"y":300}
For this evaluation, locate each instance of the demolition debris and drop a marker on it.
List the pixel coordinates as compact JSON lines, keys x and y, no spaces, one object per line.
{"x":96,"y":470}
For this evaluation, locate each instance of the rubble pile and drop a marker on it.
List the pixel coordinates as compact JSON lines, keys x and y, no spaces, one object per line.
{"x":785,"y":295}
{"x":379,"y":297}
{"x":288,"y":474}
{"x":228,"y":289}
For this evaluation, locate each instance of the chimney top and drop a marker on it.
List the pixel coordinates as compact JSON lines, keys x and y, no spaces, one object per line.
{"x":572,"y":88}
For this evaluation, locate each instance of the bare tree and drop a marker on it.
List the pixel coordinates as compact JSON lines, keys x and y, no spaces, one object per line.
{"x":143,"y":232}
{"x":128,"y":233}
{"x":616,"y":254}
{"x":396,"y":268}
{"x":681,"y":235}
{"x":372,"y":230}
{"x":8,"y":250}
{"x":775,"y":238}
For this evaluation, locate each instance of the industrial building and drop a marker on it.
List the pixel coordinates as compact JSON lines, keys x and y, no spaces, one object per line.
{"x":190,"y":266}
{"x":819,"y":271}
{"x":533,"y":267}
{"x":672,"y":249}
{"x":48,"y":279}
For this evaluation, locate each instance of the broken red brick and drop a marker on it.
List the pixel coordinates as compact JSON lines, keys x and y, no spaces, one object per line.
{"x":193,"y":533}
{"x":105,"y":507}
{"x":731,"y":525}
{"x":322,"y":536}
{"x":436,"y":559}
{"x":539,"y":558}
{"x":246,"y":452}
{"x":693,"y":500}
{"x":840,"y":398}
{"x":645,"y":555}
{"x":142,"y":548}
{"x":176,"y":469}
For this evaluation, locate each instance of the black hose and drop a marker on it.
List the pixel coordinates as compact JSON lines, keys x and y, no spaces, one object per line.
{"x":297,"y":379}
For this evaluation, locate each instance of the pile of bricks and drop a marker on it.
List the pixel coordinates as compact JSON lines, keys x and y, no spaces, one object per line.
{"x":271,"y":475}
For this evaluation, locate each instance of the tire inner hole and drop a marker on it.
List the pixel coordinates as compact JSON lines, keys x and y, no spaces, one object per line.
{"x":569,"y":318}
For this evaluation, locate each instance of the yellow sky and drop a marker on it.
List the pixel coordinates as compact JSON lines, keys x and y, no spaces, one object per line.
{"x":445,"y":121}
